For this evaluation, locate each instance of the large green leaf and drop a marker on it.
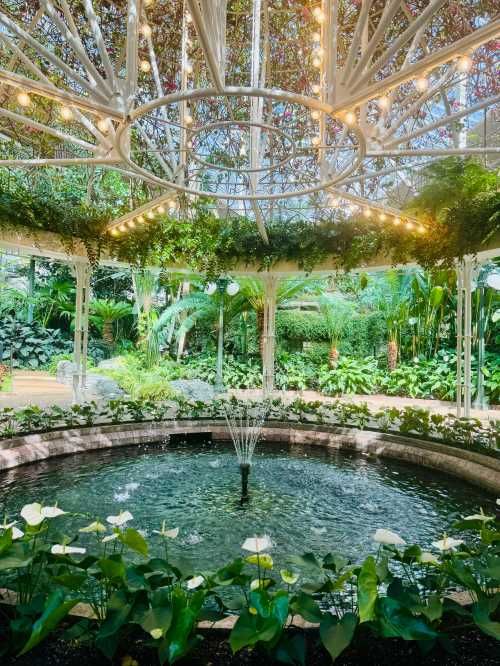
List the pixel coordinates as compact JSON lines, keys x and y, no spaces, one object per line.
{"x":55,"y":610}
{"x":305,"y":606}
{"x":367,"y":589}
{"x":251,"y":629}
{"x":337,"y":634}
{"x":118,"y":613}
{"x":134,"y":540}
{"x":158,"y":618}
{"x":394,"y":620}
{"x":15,"y":557}
{"x":481,"y":612}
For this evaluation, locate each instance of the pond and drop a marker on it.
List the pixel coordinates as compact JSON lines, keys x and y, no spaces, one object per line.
{"x":304,"y":498}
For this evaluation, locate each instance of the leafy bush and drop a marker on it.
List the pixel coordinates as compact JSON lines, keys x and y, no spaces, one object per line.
{"x":350,"y":375}
{"x":32,"y":345}
{"x":236,"y":374}
{"x":293,"y":372}
{"x":403,"y":592}
{"x":143,"y":383}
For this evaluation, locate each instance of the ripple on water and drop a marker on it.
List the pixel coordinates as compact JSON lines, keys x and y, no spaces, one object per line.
{"x":304,"y":498}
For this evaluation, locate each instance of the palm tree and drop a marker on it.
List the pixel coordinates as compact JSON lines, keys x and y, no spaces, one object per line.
{"x":393,"y":303}
{"x":107,"y":313}
{"x":337,"y":312}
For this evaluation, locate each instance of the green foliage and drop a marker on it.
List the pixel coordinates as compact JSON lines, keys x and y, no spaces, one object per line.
{"x":350,"y":375}
{"x":32,"y":345}
{"x":402,"y":592}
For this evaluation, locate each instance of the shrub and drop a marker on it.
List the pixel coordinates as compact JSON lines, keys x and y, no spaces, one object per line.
{"x":32,"y":345}
{"x":350,"y":375}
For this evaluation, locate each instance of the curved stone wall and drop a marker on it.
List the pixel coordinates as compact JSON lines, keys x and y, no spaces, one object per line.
{"x":481,"y":470}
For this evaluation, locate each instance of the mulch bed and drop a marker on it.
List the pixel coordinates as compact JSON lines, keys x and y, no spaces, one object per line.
{"x":471,"y":649}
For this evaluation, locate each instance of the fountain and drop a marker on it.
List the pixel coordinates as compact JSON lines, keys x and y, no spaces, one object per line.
{"x":245,"y":422}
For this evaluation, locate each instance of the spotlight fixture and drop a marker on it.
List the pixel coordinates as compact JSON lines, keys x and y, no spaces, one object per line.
{"x":114,"y":231}
{"x":150,"y":215}
{"x":140,"y":219}
{"x":131,"y":224}
{"x":421,"y":229}
{"x":396,"y":221}
{"x":122,"y":228}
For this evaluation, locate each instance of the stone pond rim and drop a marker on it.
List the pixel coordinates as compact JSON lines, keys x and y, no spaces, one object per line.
{"x":475,"y":468}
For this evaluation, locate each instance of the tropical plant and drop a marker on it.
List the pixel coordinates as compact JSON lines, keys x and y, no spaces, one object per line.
{"x":337,"y":312}
{"x":349,"y":375}
{"x":30,"y":345}
{"x":393,"y":303}
{"x":105,"y":313}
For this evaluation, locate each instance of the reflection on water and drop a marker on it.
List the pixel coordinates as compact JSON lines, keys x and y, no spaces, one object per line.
{"x":304,"y":498}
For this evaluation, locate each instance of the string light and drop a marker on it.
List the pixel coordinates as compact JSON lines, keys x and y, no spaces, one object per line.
{"x":316,"y":140}
{"x":409,"y":225}
{"x":145,"y":66}
{"x":315,"y":114}
{"x":161,"y":210}
{"x":464,"y":63}
{"x":146,"y":30}
{"x":66,"y":113}
{"x":188,"y":68}
{"x":384,"y":103}
{"x":316,"y":37}
{"x":150,"y":215}
{"x":382,"y":217}
{"x":103,"y":125}
{"x":140,"y":219}
{"x":318,"y":15}
{"x":188,"y":119}
{"x":422,"y":83}
{"x":316,"y":61}
{"x":316,"y":88}
{"x":367,"y":213}
{"x":23,"y":99}
{"x":114,"y":231}
{"x":131,"y":224}
{"x":421,"y":229}
{"x":350,"y":118}
{"x":122,"y":228}
{"x":396,"y":221}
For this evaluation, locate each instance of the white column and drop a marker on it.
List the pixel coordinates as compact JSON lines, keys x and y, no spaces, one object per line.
{"x":82,"y":273}
{"x":467,"y":335}
{"x":270,"y":289}
{"x":460,"y":297}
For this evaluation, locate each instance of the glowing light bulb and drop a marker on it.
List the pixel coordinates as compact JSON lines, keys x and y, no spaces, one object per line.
{"x":421,"y":229}
{"x":122,"y":228}
{"x":367,"y":212}
{"x":66,"y":113}
{"x":188,"y":68}
{"x":189,"y":145}
{"x":103,"y":125}
{"x":188,"y":119}
{"x":421,"y":84}
{"x":114,"y":232}
{"x":316,"y":88}
{"x":350,"y":118}
{"x":382,"y":217}
{"x":171,"y":203}
{"x":145,"y":66}
{"x":384,"y":103}
{"x":150,"y":215}
{"x":316,"y":140}
{"x":316,"y":61}
{"x":243,"y":150}
{"x":189,"y":18}
{"x":23,"y":99}
{"x":409,"y":225}
{"x":396,"y":221}
{"x":140,"y":219}
{"x":316,"y":37}
{"x":131,"y":224}
{"x":148,"y":3}
{"x":146,"y":30}
{"x":161,"y":210}
{"x":318,"y":15}
{"x":464,"y":64}
{"x":315,"y":114}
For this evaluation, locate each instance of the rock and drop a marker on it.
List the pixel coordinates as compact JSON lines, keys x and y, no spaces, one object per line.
{"x":99,"y":386}
{"x":115,"y":363}
{"x":64,"y":372}
{"x":194,"y":389}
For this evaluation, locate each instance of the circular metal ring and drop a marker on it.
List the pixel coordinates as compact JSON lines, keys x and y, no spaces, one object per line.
{"x":122,"y":139}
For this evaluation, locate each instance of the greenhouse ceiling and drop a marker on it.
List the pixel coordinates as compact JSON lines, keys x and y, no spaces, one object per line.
{"x":265,"y":106}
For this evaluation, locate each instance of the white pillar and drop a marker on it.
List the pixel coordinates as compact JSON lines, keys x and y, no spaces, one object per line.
{"x":460,"y":297}
{"x":270,"y":289}
{"x":82,"y":273}
{"x":464,"y":336}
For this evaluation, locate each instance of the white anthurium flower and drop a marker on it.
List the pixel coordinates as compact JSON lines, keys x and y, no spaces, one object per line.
{"x":94,"y":527}
{"x":257,"y":544}
{"x":110,"y":537}
{"x":119,"y":520}
{"x":447,"y":543}
{"x":169,"y":534}
{"x":195,"y":582}
{"x":289,"y":577}
{"x":62,"y":549}
{"x":7,"y":526}
{"x":52,"y":512}
{"x":32,"y":514}
{"x":17,"y":533}
{"x":389,"y":538}
{"x":498,"y":501}
{"x":428,"y":558}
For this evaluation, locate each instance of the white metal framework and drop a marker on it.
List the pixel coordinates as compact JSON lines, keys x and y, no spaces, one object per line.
{"x":266,"y":105}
